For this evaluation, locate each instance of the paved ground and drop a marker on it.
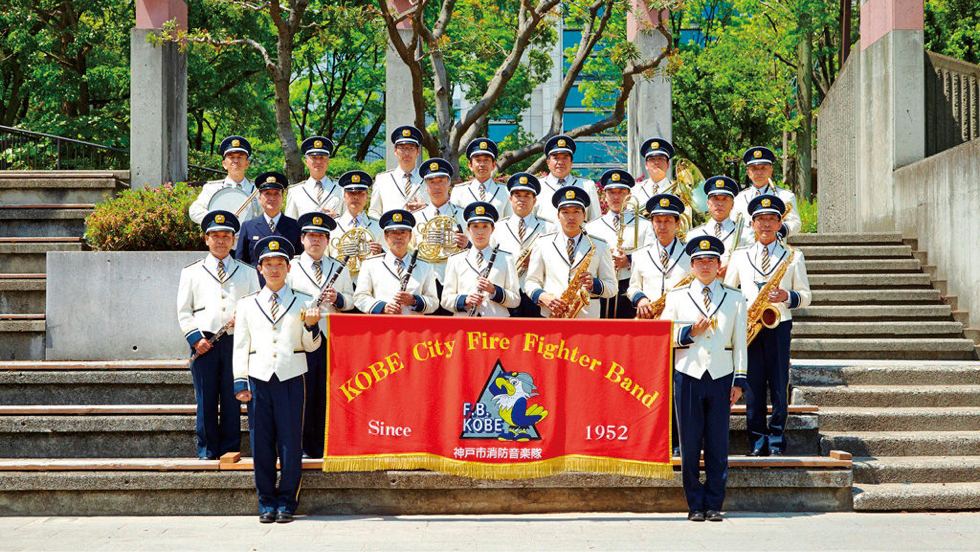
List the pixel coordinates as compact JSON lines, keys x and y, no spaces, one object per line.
{"x":538,"y":533}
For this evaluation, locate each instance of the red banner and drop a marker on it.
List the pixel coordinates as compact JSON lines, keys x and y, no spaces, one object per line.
{"x":497,"y":397}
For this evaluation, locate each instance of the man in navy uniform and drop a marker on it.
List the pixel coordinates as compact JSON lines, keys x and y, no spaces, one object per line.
{"x":709,"y":374}
{"x":319,"y":192}
{"x":310,"y":273}
{"x":560,"y":152}
{"x":271,"y":327}
{"x":400,"y":188}
{"x":270,"y":223}
{"x":207,"y":294}
{"x":751,"y":268}
{"x":235,"y":152}
{"x":482,"y":156}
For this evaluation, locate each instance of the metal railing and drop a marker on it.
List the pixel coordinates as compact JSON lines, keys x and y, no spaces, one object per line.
{"x":952,"y":102}
{"x":27,"y":150}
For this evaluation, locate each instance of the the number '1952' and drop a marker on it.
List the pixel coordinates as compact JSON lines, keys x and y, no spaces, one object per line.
{"x":608,"y":432}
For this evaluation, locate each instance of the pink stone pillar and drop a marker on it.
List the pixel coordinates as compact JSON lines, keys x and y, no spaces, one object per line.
{"x":648,"y":111}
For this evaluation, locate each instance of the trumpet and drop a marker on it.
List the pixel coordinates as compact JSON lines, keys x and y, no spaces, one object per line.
{"x":635,"y":204}
{"x":353,"y":245}
{"x":438,"y":239}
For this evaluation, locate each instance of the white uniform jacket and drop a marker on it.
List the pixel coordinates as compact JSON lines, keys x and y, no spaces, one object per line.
{"x":549,"y":185}
{"x":646,"y":188}
{"x":346,"y":221}
{"x":496,"y":194}
{"x":389,"y":191}
{"x":301,"y":198}
{"x":550,"y":268}
{"x":302,"y":278}
{"x":792,"y":220}
{"x":604,"y":227}
{"x":650,"y":278}
{"x":378,"y":281}
{"x":745,"y":272}
{"x":267,"y":346}
{"x":721,"y":350}
{"x":425,"y":215}
{"x":462,"y":271}
{"x":728,"y":231}
{"x":199,"y":208}
{"x":507,"y":233}
{"x":205,"y":303}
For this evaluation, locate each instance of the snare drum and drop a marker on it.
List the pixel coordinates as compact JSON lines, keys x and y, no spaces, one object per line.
{"x":232,"y":199}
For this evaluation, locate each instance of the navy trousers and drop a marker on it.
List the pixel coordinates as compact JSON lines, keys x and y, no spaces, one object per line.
{"x":768,"y":369}
{"x":703,"y":414}
{"x":527,"y":308}
{"x":275,"y":418}
{"x":214,"y":386}
{"x":619,"y":306}
{"x":314,"y":422}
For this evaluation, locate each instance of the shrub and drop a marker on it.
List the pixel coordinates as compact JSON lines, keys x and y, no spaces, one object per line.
{"x":147,"y":219}
{"x":808,"y":214}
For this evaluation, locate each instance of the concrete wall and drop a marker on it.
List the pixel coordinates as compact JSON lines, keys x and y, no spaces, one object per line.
{"x":837,"y":153}
{"x":936,"y":201}
{"x":119,"y":305}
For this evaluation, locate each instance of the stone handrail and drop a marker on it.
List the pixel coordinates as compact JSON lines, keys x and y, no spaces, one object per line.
{"x":952,"y":90}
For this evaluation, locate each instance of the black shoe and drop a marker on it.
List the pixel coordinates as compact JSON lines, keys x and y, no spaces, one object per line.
{"x":676,"y":452}
{"x":267,"y":517}
{"x":713,"y":515}
{"x":695,"y":516}
{"x":776,"y":453}
{"x":284,"y":517}
{"x":759,"y":452}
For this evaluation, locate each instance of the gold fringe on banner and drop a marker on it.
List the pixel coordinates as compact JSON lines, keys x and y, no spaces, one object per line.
{"x":485,"y":470}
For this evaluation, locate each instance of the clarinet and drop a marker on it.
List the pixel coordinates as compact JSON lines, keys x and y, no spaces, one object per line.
{"x":408,"y":273}
{"x":222,"y":331}
{"x":333,"y":279}
{"x":484,"y":274}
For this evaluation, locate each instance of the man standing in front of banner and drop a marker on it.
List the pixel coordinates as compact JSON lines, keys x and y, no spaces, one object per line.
{"x":752,"y":268}
{"x":272,"y":329}
{"x":620,"y":222}
{"x":466,"y":289}
{"x":319,"y":192}
{"x":556,"y":260}
{"x":709,"y":374}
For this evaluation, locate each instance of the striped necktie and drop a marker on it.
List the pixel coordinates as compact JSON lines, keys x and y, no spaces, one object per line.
{"x":272,"y":225}
{"x":408,"y":184}
{"x":664,"y":256}
{"x":707,"y":297}
{"x":765,"y":259}
{"x":571,"y":249}
{"x":319,"y":192}
{"x":400,"y":266}
{"x":274,"y":305}
{"x":616,"y":222}
{"x":717,"y":229}
{"x":221,"y":270}
{"x":318,"y":271}
{"x":479,"y":257}
{"x":483,"y":191}
{"x":521,"y":229}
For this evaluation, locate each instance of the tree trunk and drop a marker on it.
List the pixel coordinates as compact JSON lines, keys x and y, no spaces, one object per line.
{"x":804,"y":102}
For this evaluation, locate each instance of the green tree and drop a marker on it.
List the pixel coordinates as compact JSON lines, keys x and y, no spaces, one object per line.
{"x":952,"y":28}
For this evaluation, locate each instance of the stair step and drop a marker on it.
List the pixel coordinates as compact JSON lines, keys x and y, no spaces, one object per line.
{"x":812,"y":252}
{"x":43,"y":239}
{"x":902,"y":396}
{"x":862,"y":418}
{"x":847,"y":238}
{"x":47,"y":206}
{"x":21,"y":339}
{"x":96,"y":387}
{"x":874,"y":312}
{"x":916,"y":469}
{"x":22,"y":296}
{"x":929,"y":328}
{"x":811,"y":373}
{"x":31,"y":257}
{"x":902,"y":443}
{"x":13,"y":316}
{"x":919,"y":496}
{"x":907,"y":349}
{"x":43,"y":222}
{"x":889,"y":281}
{"x":877,"y":266}
{"x":60,"y":187}
{"x":826,"y":297}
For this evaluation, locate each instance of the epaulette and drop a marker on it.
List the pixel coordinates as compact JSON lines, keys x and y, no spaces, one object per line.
{"x":194,"y":263}
{"x":302,"y":295}
{"x":374,"y":256}
{"x":549,"y":234}
{"x":597,"y":238}
{"x":460,"y":252}
{"x":731,"y":288}
{"x":250,"y":294}
{"x":215,"y":181}
{"x":243,"y":263}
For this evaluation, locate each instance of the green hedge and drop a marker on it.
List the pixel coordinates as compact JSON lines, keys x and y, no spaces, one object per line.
{"x":808,"y":214}
{"x":146,"y":219}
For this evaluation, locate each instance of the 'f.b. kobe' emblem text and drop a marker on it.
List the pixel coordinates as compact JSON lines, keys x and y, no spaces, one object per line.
{"x":504,"y":410}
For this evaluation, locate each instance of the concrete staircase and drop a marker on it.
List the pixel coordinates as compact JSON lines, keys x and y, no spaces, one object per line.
{"x":912,"y":427}
{"x":874,"y":298}
{"x":40,"y":211}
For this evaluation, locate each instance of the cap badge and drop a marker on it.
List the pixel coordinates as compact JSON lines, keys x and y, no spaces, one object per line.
{"x":317,"y":144}
{"x":765,"y":202}
{"x":480,"y":210}
{"x":273,"y":246}
{"x":570,"y":194}
{"x":704,"y":245}
{"x":397,"y":217}
{"x":355,"y":178}
{"x":219,"y":218}
{"x":235,"y":143}
{"x":406,"y":133}
{"x":317,"y":221}
{"x":270,"y":179}
{"x":561,"y":143}
{"x":655,"y":145}
{"x":433,"y":166}
{"x":665,"y":202}
{"x":615,"y":177}
{"x":719,"y":183}
{"x":757,"y":154}
{"x":522,"y":180}
{"x":483,"y":145}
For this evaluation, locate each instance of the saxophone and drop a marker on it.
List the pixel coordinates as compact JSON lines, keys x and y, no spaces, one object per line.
{"x":659,"y":304}
{"x":762,"y":312}
{"x":575,"y":296}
